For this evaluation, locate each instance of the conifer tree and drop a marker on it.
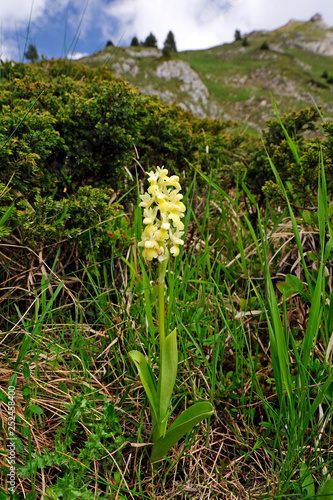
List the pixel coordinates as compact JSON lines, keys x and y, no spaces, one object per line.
{"x":150,"y":41}
{"x":238,"y":35}
{"x":31,"y":54}
{"x":135,"y":42}
{"x":170,"y":43}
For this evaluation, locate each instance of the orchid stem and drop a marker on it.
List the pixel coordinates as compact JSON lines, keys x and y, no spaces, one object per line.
{"x":161,"y":325}
{"x":161,"y":306}
{"x":161,"y":318}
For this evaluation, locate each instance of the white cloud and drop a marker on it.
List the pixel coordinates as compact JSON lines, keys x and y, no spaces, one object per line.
{"x":7,"y":51}
{"x":204,"y":23}
{"x":77,"y":55}
{"x":15,"y":14}
{"x":20,"y":19}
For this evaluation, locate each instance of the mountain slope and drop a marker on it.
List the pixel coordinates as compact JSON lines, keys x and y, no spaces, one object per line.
{"x":235,"y":80}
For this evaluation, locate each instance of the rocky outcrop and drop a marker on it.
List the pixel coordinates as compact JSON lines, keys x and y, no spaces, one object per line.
{"x":191,"y":84}
{"x":323,"y":46}
{"x":267,"y":80}
{"x":126,"y":66}
{"x":166,"y":96}
{"x":309,"y":40}
{"x":146,"y":52}
{"x":319,"y":21}
{"x":244,"y":93}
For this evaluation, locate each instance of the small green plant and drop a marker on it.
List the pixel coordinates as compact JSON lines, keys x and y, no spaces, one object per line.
{"x":75,"y":475}
{"x":325,"y":491}
{"x":5,"y":211}
{"x":163,"y":211}
{"x":166,"y":52}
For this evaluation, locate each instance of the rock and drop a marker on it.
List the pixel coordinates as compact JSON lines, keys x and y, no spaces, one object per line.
{"x":126,"y":66}
{"x":146,"y":52}
{"x":316,"y":18}
{"x":267,"y":80}
{"x":323,"y":46}
{"x":192,"y":84}
{"x":303,"y":65}
{"x":166,"y":96}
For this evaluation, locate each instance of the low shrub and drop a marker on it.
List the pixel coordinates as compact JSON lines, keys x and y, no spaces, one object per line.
{"x":302,"y":173}
{"x":65,"y":126}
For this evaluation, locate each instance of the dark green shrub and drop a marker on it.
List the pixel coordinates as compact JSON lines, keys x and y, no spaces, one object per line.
{"x":69,"y":135}
{"x":302,"y":175}
{"x":85,"y":217}
{"x":25,"y":154}
{"x":264,"y":46}
{"x":66,"y":133}
{"x":166,"y":52}
{"x":67,"y":127}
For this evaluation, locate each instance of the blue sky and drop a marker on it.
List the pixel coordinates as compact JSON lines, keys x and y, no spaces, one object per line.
{"x":78,"y":27}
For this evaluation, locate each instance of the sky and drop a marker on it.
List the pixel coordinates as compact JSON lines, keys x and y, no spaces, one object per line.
{"x":75,"y":28}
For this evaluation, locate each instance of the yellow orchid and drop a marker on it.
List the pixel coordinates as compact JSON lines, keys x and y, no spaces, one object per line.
{"x":163,"y":211}
{"x":162,"y":236}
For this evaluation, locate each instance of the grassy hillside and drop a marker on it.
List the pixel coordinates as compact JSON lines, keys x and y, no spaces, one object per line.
{"x":238,"y":78}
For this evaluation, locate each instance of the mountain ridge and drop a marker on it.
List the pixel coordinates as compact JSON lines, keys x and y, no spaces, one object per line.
{"x":235,"y":80}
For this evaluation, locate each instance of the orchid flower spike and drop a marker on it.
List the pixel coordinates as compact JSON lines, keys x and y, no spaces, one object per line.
{"x":162,"y":212}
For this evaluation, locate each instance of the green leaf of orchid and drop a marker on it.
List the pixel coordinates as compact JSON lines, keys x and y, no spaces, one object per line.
{"x":180,"y":427}
{"x":147,"y":379}
{"x":167,"y":378}
{"x":286,"y":289}
{"x":326,"y":490}
{"x":308,"y":487}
